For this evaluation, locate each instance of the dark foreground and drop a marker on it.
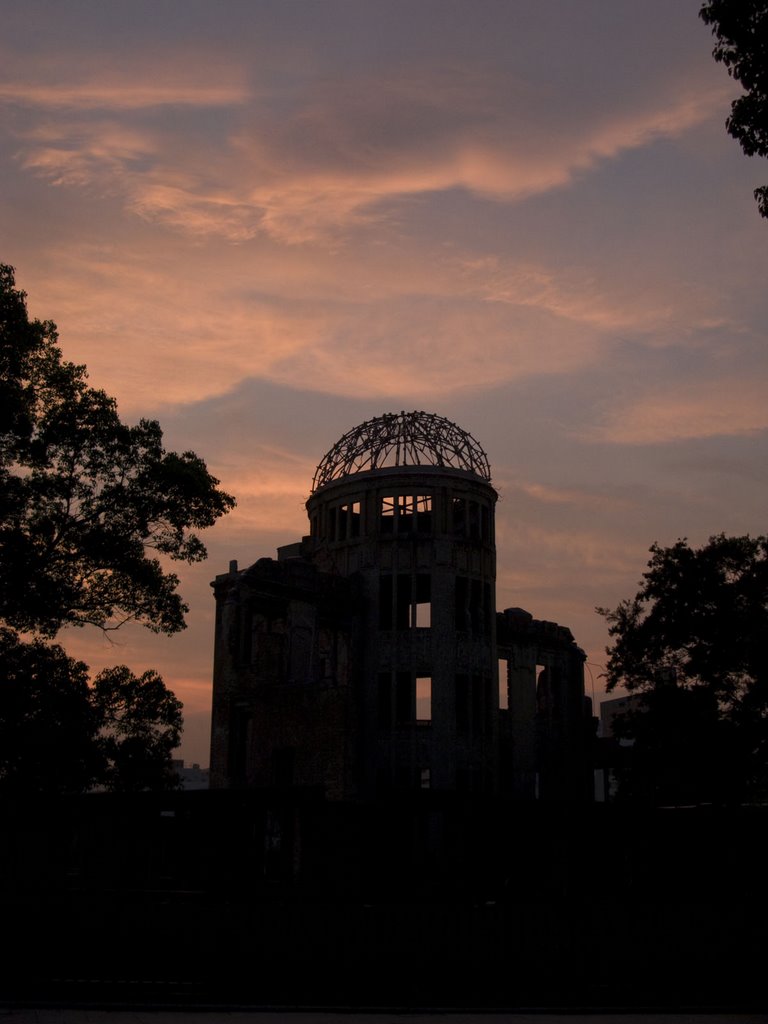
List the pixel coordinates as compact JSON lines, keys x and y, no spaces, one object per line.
{"x":282,"y":900}
{"x":143,"y":1016}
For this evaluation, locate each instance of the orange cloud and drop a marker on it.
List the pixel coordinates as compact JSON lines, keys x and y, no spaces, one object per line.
{"x":126,"y":94}
{"x":563,"y":550}
{"x":272,"y":485}
{"x":201,"y":341}
{"x":344,"y":154}
{"x":728,"y":406}
{"x":573,"y":294}
{"x":393,"y":322}
{"x":306,"y":193}
{"x":566,"y":495}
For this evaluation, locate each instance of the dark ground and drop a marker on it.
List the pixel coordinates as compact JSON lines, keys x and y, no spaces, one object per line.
{"x":282,"y":900}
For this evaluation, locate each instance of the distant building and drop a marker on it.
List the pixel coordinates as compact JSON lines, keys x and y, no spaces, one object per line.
{"x":613,"y":752}
{"x":365,"y":658}
{"x":191,"y":776}
{"x":616,"y":707}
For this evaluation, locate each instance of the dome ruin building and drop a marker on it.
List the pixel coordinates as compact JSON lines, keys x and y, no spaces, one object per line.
{"x":369,"y":657}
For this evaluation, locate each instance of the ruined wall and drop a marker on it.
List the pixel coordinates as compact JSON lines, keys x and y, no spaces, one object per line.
{"x":283,"y":665}
{"x":547,"y":728}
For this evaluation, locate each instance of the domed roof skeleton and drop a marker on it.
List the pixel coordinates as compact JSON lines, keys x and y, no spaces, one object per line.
{"x":402,"y":439}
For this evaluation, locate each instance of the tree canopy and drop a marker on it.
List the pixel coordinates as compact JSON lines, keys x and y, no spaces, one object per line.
{"x":59,"y":734}
{"x":692,"y":644}
{"x":90,"y":510}
{"x":89,"y":504}
{"x":741,"y":29}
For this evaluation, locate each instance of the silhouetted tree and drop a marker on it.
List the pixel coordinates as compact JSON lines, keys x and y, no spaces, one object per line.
{"x":692,"y":642}
{"x":88,"y":507}
{"x":59,"y":734}
{"x":140,"y":724}
{"x":741,"y":28}
{"x":48,"y":726}
{"x":87,"y":502}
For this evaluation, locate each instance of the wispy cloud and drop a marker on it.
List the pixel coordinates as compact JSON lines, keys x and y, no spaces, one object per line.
{"x":118,"y":96}
{"x":202,"y":341}
{"x":579,"y":497}
{"x":728,"y":406}
{"x":337,"y":160}
{"x":348,"y":160}
{"x":138,"y":82}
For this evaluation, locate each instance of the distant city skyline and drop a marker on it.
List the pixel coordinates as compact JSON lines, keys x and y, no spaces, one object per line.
{"x":264,"y":223}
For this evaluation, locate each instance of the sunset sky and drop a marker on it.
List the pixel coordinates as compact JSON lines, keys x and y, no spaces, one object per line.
{"x":265,"y":222}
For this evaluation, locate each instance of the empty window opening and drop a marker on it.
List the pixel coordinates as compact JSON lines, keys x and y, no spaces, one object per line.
{"x":414,"y":512}
{"x":404,"y":698}
{"x":503,"y":686}
{"x":344,"y":521}
{"x":354,"y":519}
{"x":342,"y":515}
{"x":474,"y":520}
{"x":422,"y":603}
{"x":402,"y":513}
{"x":413,"y":601}
{"x":422,"y":615}
{"x":387,"y":512}
{"x":473,"y":606}
{"x":424,"y":513}
{"x":406,"y":513}
{"x":546,"y":680}
{"x":425,"y":778}
{"x":424,"y":698}
{"x":403,"y":614}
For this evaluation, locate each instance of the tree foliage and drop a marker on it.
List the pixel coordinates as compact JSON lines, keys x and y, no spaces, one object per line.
{"x":89,"y":504}
{"x":692,"y":643}
{"x":140,"y":724}
{"x":60,"y":734}
{"x":47,"y":723}
{"x":741,"y":29}
{"x":90,"y":508}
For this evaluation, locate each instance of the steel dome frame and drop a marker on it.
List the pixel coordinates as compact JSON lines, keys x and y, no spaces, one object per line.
{"x":402,"y":439}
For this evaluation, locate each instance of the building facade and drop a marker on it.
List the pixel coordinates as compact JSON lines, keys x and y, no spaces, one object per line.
{"x":365,"y":658}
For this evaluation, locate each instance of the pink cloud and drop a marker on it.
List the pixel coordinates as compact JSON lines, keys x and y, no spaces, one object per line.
{"x":343,"y":153}
{"x":202,"y":341}
{"x":126,"y":95}
{"x":727,"y":406}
